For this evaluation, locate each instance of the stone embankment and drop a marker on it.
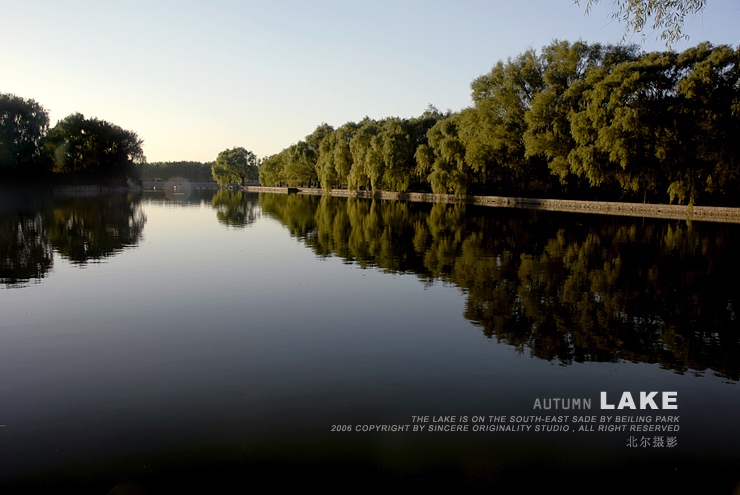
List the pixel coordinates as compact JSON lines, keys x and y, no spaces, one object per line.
{"x":151,"y":185}
{"x":86,"y":191}
{"x":679,"y":212}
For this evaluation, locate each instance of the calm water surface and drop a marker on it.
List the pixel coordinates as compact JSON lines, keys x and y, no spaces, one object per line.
{"x":161,"y":343}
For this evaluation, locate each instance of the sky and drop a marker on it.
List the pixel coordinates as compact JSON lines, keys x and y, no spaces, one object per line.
{"x":193,"y":78}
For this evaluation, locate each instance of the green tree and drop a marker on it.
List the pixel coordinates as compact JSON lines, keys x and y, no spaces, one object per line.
{"x":706,"y":154}
{"x":343,"y":152}
{"x":667,"y":15}
{"x":271,"y":169}
{"x":444,"y":158}
{"x":235,"y":165}
{"x":397,"y":152}
{"x":493,"y":131}
{"x":365,"y":157}
{"x":623,"y":132}
{"x":318,"y":154}
{"x":549,"y":119}
{"x":94,"y":148}
{"x":23,"y":124}
{"x":325,"y":168}
{"x":300,"y":164}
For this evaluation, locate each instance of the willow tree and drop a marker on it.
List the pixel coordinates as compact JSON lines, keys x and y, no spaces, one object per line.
{"x":706,"y":160}
{"x":443,"y":159}
{"x":397,"y":153}
{"x":271,"y":169}
{"x":325,"y":169}
{"x":666,"y":15}
{"x":235,"y":165}
{"x":569,"y":70}
{"x":495,"y":128}
{"x":300,"y":164}
{"x":365,"y":156}
{"x":623,"y":132}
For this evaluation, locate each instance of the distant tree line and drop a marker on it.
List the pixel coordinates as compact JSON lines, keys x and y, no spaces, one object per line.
{"x":75,"y":149}
{"x":577,"y":120}
{"x":163,"y":171}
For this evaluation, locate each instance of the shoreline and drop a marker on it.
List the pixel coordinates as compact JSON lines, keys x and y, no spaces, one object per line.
{"x":720,"y":214}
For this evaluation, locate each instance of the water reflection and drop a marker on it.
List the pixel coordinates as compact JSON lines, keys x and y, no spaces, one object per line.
{"x":25,"y":252}
{"x":80,"y":229}
{"x":235,"y":208}
{"x":85,"y":229}
{"x":565,"y":288}
{"x":196,"y":197}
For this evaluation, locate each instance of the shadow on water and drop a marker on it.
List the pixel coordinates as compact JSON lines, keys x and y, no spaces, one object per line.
{"x":563,"y":287}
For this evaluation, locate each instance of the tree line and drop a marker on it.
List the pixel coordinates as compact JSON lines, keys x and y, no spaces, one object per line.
{"x":236,"y":165}
{"x":163,"y":171}
{"x":576,"y":120}
{"x":75,"y":149}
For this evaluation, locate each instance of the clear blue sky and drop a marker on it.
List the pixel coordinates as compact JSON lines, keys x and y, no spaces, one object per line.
{"x":193,"y":78}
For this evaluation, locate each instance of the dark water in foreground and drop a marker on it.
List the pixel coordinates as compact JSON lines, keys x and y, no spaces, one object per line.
{"x":162,"y":344}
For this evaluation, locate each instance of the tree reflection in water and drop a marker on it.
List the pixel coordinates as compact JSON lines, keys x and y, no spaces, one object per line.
{"x":79,"y":229}
{"x":563,"y":287}
{"x":235,"y":208}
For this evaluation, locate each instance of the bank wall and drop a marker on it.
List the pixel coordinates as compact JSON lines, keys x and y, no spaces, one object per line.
{"x":680,"y":212}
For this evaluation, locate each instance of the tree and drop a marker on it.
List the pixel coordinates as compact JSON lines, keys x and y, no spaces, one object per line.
{"x":319,"y":143}
{"x":364,"y":155}
{"x":493,"y":131}
{"x":235,"y":165}
{"x":569,"y":71}
{"x":667,"y":15}
{"x":443,"y":159}
{"x":300,"y":164}
{"x":624,"y":131}
{"x":94,"y":147}
{"x":23,"y":124}
{"x":271,"y":169}
{"x":704,"y":160}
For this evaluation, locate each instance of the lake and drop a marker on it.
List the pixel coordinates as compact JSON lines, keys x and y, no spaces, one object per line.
{"x":152,"y":344}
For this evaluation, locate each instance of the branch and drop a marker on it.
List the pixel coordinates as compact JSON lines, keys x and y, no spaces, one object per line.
{"x":667,"y":15}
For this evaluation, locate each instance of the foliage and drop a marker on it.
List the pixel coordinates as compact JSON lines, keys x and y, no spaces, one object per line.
{"x":577,"y":120}
{"x":565,"y":67}
{"x":444,"y":158}
{"x":235,"y":165}
{"x":271,"y":170}
{"x":94,"y":148}
{"x":667,"y":15}
{"x":23,"y":124}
